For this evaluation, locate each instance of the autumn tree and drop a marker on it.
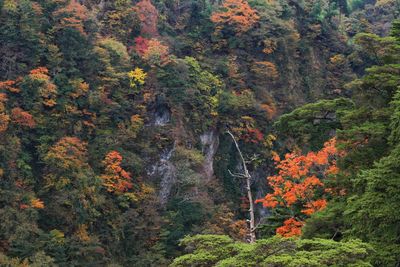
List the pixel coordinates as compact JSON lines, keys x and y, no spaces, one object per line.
{"x":46,"y":89}
{"x":4,"y":117}
{"x":298,"y":188}
{"x":148,"y":16}
{"x":236,"y":14}
{"x":23,"y":118}
{"x":153,"y":51}
{"x":115,"y":178}
{"x":137,"y":77}
{"x":72,"y":16}
{"x":69,"y":183}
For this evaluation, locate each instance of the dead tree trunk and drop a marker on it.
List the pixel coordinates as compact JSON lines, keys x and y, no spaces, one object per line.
{"x":246,"y":175}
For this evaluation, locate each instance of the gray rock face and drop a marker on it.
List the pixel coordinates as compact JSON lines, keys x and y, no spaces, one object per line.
{"x":209,"y":141}
{"x":164,"y":170}
{"x":162,"y":117}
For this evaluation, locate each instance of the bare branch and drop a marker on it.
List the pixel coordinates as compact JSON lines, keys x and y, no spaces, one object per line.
{"x":247,"y":176}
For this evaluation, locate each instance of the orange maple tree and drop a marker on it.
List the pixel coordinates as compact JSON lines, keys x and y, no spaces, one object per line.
{"x":115,"y":179}
{"x":237,"y":14}
{"x":299,"y":187}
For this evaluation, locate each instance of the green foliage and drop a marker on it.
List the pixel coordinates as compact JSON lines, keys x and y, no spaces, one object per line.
{"x":66,"y":100}
{"x":212,"y":250}
{"x":311,"y":125}
{"x":193,"y":89}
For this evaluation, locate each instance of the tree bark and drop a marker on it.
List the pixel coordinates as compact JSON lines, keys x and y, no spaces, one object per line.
{"x":247,"y":176}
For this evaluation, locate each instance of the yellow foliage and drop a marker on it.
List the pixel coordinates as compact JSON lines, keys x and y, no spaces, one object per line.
{"x":337,"y":59}
{"x":137,"y":77}
{"x":37,"y":203}
{"x":82,"y":233}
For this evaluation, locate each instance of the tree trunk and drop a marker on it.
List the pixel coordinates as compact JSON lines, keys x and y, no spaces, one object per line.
{"x":247,"y":176}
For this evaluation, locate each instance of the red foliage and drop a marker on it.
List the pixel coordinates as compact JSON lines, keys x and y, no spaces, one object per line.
{"x":253,"y":135}
{"x":142,"y":45}
{"x":115,"y":179}
{"x":21,"y":117}
{"x":297,"y":182}
{"x":148,"y":16}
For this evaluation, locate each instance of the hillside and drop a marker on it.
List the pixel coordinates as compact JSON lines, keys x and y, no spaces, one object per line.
{"x":152,"y":132}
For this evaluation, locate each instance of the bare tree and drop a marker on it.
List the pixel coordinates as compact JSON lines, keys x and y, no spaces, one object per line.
{"x":246,"y":175}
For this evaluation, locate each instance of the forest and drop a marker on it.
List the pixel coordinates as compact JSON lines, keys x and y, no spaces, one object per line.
{"x":199,"y":133}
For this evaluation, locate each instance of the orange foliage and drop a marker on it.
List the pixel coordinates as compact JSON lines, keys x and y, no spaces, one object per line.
{"x":236,"y":13}
{"x":115,"y":179}
{"x":148,"y":16}
{"x":37,"y":203}
{"x":72,"y":16}
{"x":313,"y":206}
{"x":37,"y":8}
{"x":266,"y":69}
{"x":269,"y":46}
{"x":291,"y":227}
{"x":156,"y":53}
{"x":48,"y":91}
{"x":4,"y":120}
{"x":3,"y":100}
{"x":80,"y":89}
{"x":82,"y":233}
{"x":297,"y":181}
{"x":40,"y":73}
{"x":68,"y":153}
{"x":21,"y":117}
{"x":9,"y":86}
{"x":270,"y":109}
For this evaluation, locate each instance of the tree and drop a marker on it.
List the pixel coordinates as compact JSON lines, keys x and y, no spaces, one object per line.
{"x":246,"y":175}
{"x":154,"y":53}
{"x":23,"y":118}
{"x":72,"y":16}
{"x":218,"y":250}
{"x":236,"y":14}
{"x":148,"y":16}
{"x":69,"y":184}
{"x":137,"y":77}
{"x":115,"y":179}
{"x":298,"y":188}
{"x":313,"y":124}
